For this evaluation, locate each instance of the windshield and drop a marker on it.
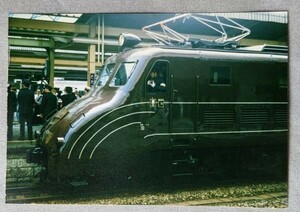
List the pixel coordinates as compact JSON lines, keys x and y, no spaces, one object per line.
{"x":123,"y":74}
{"x":104,"y":74}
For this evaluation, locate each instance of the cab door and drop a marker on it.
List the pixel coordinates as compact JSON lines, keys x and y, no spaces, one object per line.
{"x":183,"y":102}
{"x":183,"y":117}
{"x":156,"y":143}
{"x":157,"y":94}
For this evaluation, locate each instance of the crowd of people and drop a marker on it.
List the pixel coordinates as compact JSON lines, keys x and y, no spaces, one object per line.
{"x":35,"y":107}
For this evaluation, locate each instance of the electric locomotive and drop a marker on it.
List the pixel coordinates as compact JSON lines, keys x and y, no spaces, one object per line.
{"x":213,"y":103}
{"x":174,"y":111}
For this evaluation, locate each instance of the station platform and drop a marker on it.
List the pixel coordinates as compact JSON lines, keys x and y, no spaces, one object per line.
{"x":17,"y":169}
{"x":16,"y":131}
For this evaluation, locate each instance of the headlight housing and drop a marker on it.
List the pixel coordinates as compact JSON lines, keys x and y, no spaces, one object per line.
{"x":128,"y":40}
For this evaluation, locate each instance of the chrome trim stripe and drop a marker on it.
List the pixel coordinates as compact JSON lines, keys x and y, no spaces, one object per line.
{"x":124,"y":126}
{"x":229,"y":103}
{"x":141,"y":103}
{"x":121,"y":117}
{"x":123,"y":106}
{"x":215,"y":133}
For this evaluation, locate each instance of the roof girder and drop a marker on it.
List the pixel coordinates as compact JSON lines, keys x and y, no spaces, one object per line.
{"x":57,"y":62}
{"x":48,"y":25}
{"x":29,"y":43}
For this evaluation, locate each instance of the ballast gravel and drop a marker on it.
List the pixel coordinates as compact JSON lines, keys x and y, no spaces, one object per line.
{"x":243,"y":195}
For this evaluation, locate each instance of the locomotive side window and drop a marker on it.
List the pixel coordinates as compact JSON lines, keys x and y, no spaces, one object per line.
{"x":157,"y":78}
{"x":123,"y":74}
{"x":220,"y":75}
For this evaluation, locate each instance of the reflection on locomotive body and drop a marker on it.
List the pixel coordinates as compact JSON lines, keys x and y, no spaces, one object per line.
{"x":210,"y":112}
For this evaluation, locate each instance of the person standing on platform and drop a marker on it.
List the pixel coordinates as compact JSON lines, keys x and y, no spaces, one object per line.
{"x":68,"y":97}
{"x":11,"y":109}
{"x":38,"y":96}
{"x":26,"y":104}
{"x":49,"y":104}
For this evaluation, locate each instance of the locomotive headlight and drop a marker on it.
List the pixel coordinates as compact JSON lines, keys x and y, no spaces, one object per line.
{"x":121,"y":40}
{"x":128,"y":40}
{"x":60,"y":141}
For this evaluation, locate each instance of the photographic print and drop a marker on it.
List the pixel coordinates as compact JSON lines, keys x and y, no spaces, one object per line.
{"x":163,"y":109}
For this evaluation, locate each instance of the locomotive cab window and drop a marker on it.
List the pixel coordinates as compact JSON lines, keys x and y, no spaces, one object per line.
{"x":156,"y":81}
{"x":123,"y":74}
{"x":104,"y":74}
{"x":220,"y":75}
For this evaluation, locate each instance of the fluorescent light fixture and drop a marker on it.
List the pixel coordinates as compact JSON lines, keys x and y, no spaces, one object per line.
{"x":70,"y":51}
{"x":27,"y":38}
{"x":61,"y":72}
{"x":56,"y":67}
{"x":95,"y":41}
{"x":80,"y":52}
{"x":105,"y":54}
{"x":31,"y":49}
{"x":70,"y":68}
{"x":32,"y":66}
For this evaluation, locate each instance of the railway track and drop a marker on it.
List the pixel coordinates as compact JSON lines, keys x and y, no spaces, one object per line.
{"x":32,"y":193}
{"x":233,"y":194}
{"x":222,"y":201}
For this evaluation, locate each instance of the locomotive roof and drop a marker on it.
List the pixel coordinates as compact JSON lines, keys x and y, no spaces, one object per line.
{"x":254,"y":53}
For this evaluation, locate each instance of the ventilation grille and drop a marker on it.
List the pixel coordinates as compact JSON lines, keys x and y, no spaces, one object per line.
{"x":281,"y":116}
{"x":221,"y":117}
{"x":255,"y":116}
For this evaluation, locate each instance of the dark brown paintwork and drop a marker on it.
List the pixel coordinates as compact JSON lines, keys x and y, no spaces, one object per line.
{"x":120,"y":134}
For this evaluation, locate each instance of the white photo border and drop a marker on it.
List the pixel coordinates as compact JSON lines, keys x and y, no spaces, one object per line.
{"x":166,"y":6}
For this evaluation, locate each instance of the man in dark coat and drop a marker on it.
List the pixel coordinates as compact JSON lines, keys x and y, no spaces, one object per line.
{"x":26,"y":105}
{"x":11,"y":109}
{"x":68,"y":97}
{"x":49,"y":103}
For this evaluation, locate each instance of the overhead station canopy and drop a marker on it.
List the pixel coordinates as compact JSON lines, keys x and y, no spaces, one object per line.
{"x":31,"y":34}
{"x":259,"y":25}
